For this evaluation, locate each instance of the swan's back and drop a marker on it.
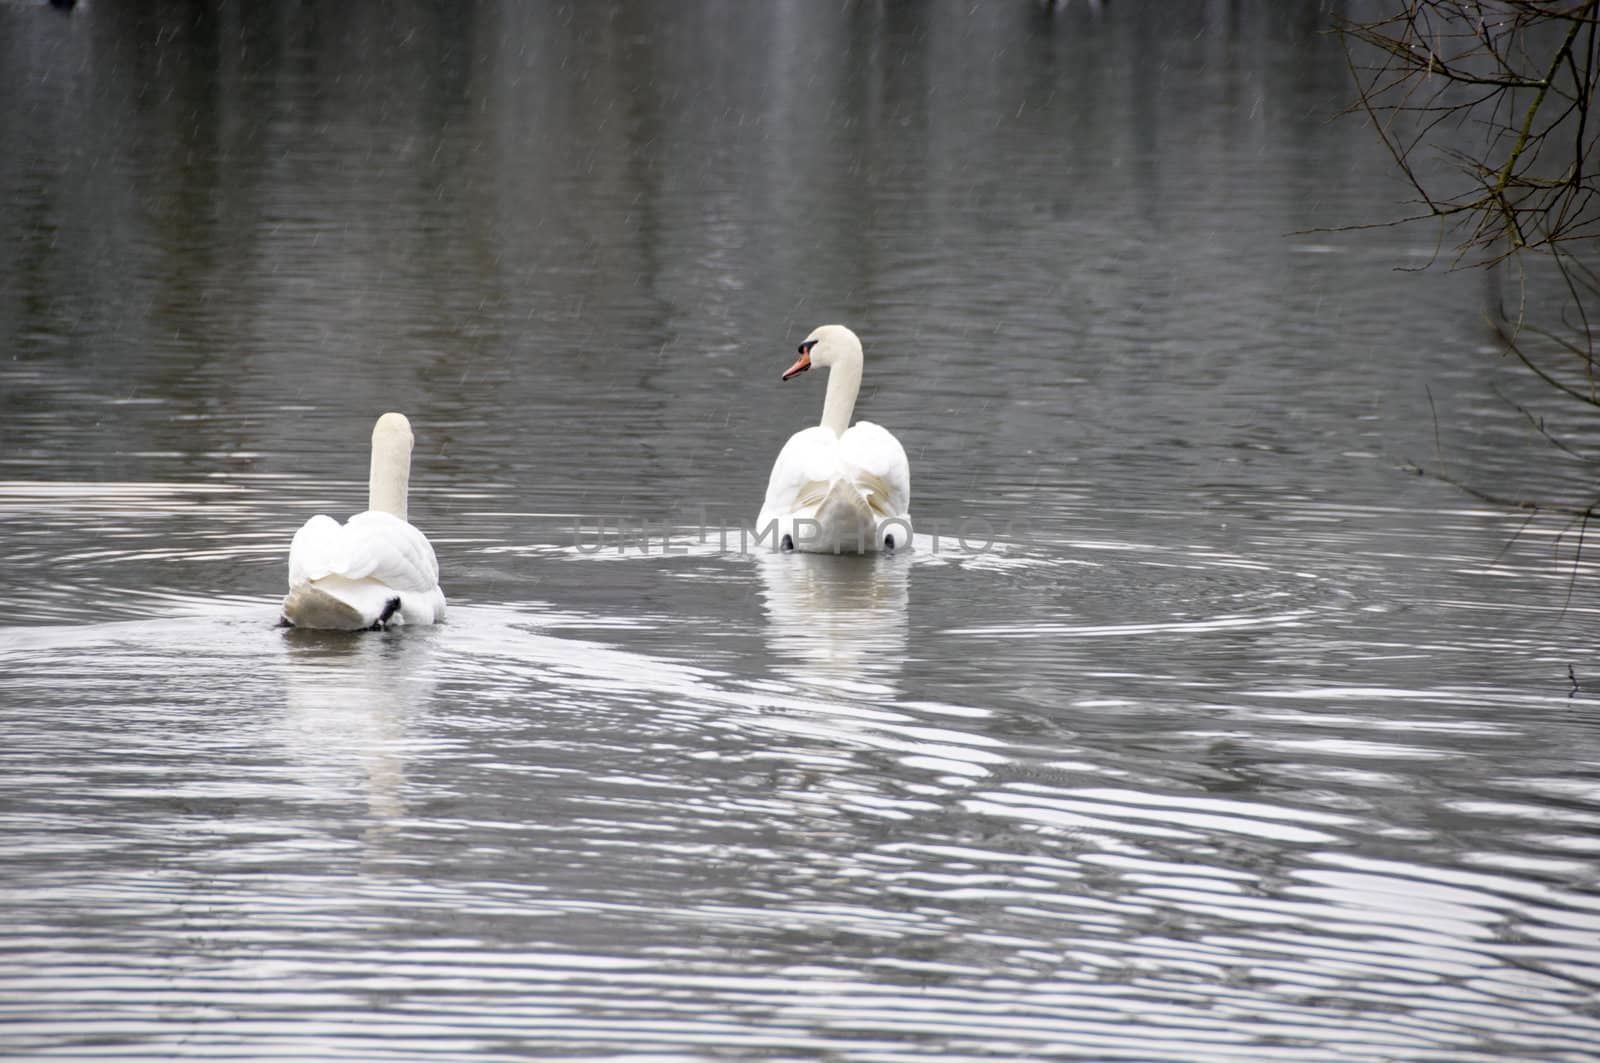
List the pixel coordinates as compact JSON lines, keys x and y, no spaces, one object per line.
{"x":369,"y":545}
{"x":366,"y":571}
{"x":848,"y":486}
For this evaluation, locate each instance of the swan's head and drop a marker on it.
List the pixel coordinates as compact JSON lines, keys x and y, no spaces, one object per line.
{"x":392,"y":426}
{"x":828,"y":345}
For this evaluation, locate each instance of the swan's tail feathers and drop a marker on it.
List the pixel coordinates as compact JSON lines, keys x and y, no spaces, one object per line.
{"x":847,"y":522}
{"x":341,"y":604}
{"x":846,"y":515}
{"x":875,"y":490}
{"x":811,"y":494}
{"x":308,"y":605}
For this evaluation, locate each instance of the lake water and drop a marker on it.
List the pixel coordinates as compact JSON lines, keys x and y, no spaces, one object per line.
{"x":1223,"y":735}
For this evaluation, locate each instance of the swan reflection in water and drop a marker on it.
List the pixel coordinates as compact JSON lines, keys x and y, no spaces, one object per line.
{"x":838,"y":621}
{"x":352,"y":701}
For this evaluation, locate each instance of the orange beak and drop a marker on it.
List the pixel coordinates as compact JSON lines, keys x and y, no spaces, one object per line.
{"x":800,"y":366}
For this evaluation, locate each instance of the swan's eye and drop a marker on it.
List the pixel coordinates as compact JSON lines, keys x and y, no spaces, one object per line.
{"x":805,"y":348}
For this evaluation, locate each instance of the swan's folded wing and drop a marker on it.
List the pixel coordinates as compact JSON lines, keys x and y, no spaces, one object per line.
{"x":371,"y":545}
{"x":877,"y":463}
{"x":385,"y":548}
{"x":317,"y":550}
{"x":806,"y":466}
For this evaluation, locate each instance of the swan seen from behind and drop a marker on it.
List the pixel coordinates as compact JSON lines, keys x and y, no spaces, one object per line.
{"x":376,"y":570}
{"x":838,"y":487}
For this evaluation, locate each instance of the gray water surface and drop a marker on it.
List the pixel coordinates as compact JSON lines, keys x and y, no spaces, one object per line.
{"x":1223,"y":735}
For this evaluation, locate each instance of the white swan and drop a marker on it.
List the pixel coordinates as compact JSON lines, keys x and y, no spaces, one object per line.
{"x":838,"y":488}
{"x":375,"y":570}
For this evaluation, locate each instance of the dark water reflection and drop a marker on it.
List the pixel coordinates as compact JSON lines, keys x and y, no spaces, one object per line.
{"x":1241,"y":742}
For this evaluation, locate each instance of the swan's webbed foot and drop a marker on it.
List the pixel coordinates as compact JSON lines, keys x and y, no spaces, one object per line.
{"x":390,"y":607}
{"x":787,"y":544}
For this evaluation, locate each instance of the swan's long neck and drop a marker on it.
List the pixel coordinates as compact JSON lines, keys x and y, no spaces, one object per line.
{"x":390,"y":477}
{"x":844,"y":384}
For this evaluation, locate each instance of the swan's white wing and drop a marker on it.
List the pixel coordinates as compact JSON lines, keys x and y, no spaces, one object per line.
{"x":371,"y":545}
{"x":877,"y":463}
{"x":387,"y":549}
{"x":805,"y":468}
{"x":317,"y":550}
